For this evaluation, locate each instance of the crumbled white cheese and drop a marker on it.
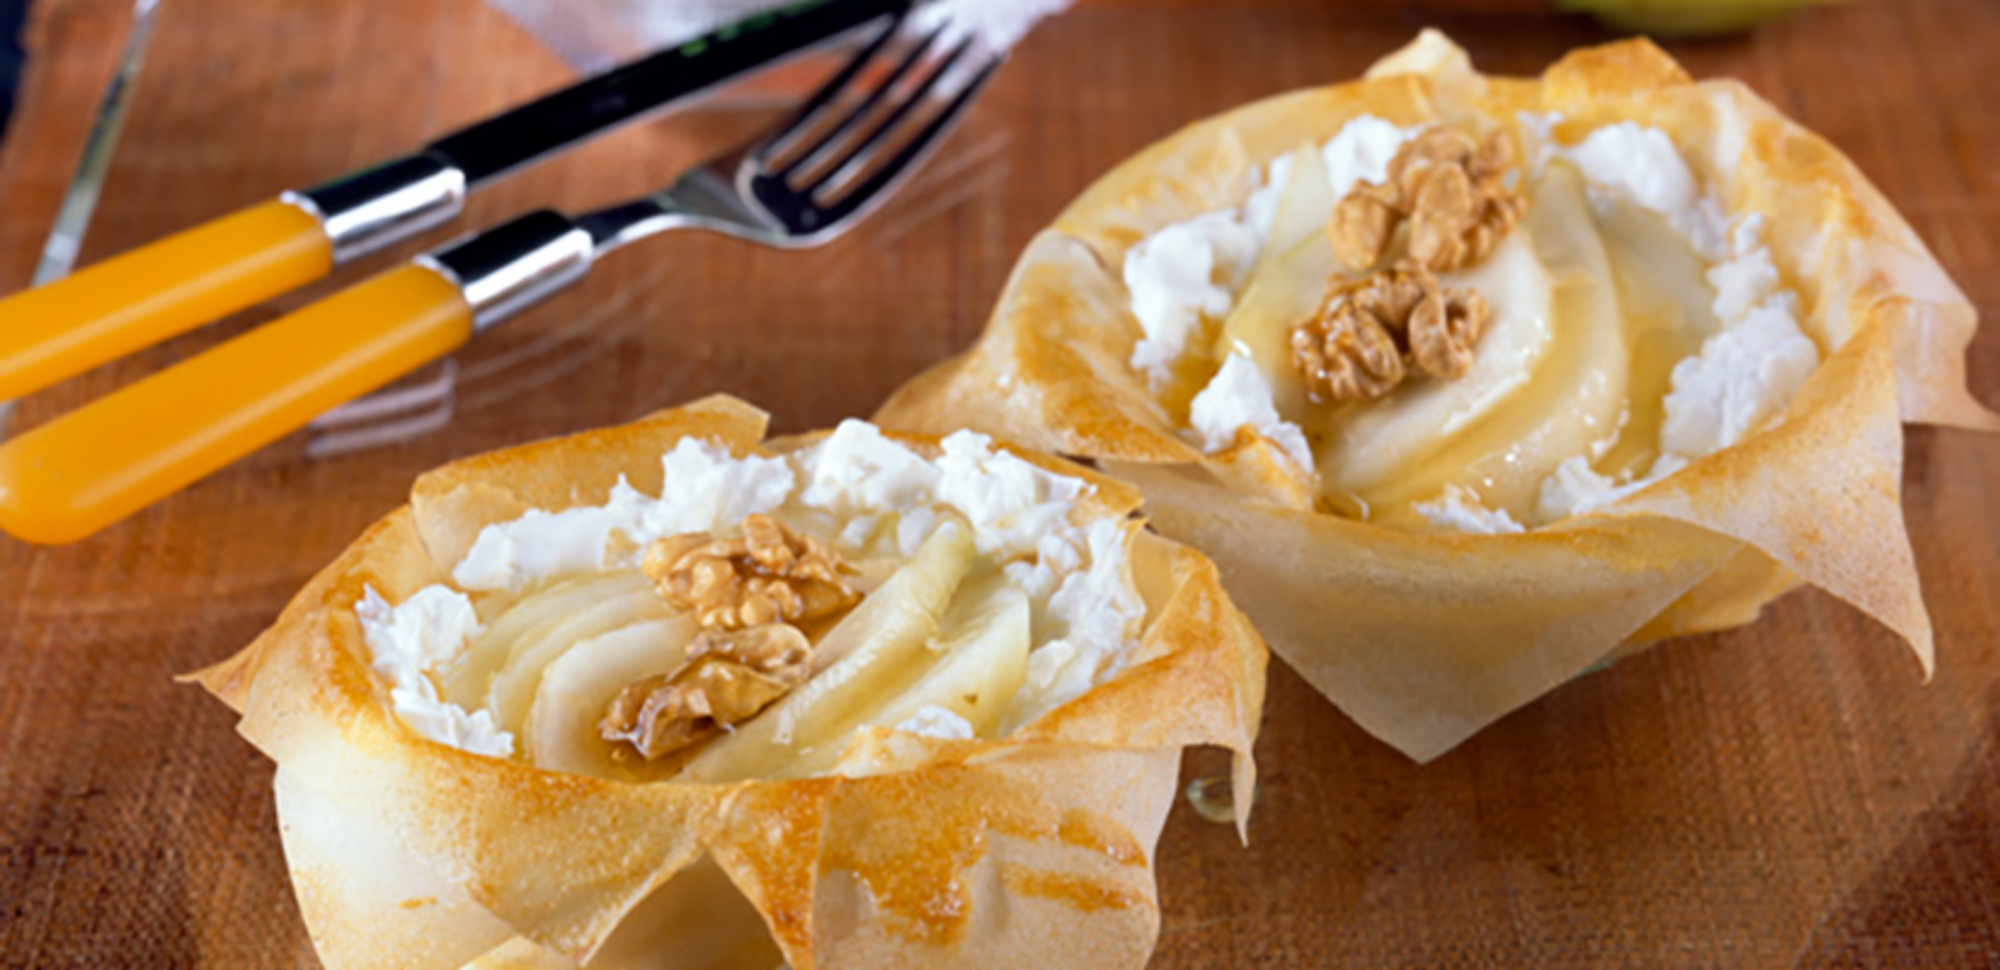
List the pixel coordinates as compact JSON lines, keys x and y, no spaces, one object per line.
{"x":856,"y":474}
{"x":1641,"y":165}
{"x":1575,"y":488}
{"x":857,"y":470}
{"x":1742,"y":378}
{"x":407,"y":641}
{"x":1260,"y":212}
{"x":1097,"y":603}
{"x":1361,"y":152}
{"x":1083,"y":607}
{"x":1010,"y":502}
{"x":705,"y":488}
{"x":1737,"y":382}
{"x":512,"y":555}
{"x":1181,"y":275}
{"x":425,"y":630}
{"x":1459,"y":509}
{"x":932,"y":721}
{"x":1239,"y":396}
{"x":1745,"y":374}
{"x":1748,"y":278}
{"x":1083,"y":600}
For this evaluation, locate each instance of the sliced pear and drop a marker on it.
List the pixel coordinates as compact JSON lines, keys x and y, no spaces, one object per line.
{"x":874,"y":651}
{"x":985,"y":648}
{"x":977,"y":664}
{"x":1305,"y":204}
{"x":1281,"y":277}
{"x":906,"y":606}
{"x":1373,"y":444}
{"x":515,"y":682}
{"x":1669,"y":310}
{"x":1283,"y":294}
{"x":1287,"y":284}
{"x":466,"y":681}
{"x":1569,"y":401}
{"x":560,"y":732}
{"x":869,"y":574}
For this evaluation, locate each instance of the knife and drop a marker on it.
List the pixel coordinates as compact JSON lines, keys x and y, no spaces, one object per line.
{"x":169,"y":287}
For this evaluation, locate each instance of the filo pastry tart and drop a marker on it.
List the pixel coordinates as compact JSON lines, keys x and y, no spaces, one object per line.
{"x":1471,"y":383}
{"x":670,"y":694}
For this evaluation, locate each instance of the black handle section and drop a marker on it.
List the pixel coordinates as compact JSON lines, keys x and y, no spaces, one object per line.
{"x":592,"y":107}
{"x":497,"y":249}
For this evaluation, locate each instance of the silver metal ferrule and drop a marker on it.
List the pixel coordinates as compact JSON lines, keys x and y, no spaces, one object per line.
{"x":375,"y":207}
{"x":505,"y":270}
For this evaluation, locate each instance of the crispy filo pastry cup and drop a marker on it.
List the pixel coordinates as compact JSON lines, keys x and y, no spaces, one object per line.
{"x":1424,"y":639}
{"x":1034,"y":850}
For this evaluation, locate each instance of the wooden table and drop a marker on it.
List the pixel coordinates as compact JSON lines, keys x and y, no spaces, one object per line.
{"x":1787,"y":794}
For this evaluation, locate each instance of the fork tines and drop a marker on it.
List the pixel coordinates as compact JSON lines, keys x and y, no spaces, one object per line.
{"x":869,"y":123}
{"x":813,"y":177}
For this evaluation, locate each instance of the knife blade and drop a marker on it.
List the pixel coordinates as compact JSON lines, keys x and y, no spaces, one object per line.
{"x":169,"y":287}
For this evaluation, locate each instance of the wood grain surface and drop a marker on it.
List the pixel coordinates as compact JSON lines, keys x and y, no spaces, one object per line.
{"x":1789,"y":794}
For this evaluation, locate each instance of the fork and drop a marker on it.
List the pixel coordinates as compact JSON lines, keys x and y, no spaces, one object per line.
{"x":805,"y":182}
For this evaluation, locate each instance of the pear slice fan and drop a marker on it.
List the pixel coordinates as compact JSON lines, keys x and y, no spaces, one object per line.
{"x":1425,"y":636}
{"x":814,"y":834}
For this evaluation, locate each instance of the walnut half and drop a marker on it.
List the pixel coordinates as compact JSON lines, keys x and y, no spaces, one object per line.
{"x":1357,"y":346}
{"x":1452,"y":193}
{"x":1347,"y":352}
{"x":1443,"y":329}
{"x":770,"y":573}
{"x":746,"y":593}
{"x":728,"y":677}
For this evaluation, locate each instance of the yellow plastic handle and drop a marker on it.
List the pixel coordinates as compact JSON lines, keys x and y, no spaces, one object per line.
{"x":87,"y":469}
{"x":139,"y":298}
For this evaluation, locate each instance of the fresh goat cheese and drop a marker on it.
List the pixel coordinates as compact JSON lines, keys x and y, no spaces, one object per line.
{"x":1239,"y":397}
{"x":411,"y":639}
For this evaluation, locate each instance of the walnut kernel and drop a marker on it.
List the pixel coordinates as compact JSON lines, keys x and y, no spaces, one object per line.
{"x":1363,"y":222}
{"x":1367,"y":333}
{"x":727,"y":678}
{"x":1443,"y":329}
{"x":770,"y":573}
{"x":1345,"y":354}
{"x":1451,"y":193}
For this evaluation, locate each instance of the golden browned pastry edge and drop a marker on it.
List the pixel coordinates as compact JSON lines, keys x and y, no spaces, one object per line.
{"x":1424,"y":639}
{"x":1035,"y":850}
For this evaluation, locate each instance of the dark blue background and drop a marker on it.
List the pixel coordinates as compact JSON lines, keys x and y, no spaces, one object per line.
{"x":13,"y":13}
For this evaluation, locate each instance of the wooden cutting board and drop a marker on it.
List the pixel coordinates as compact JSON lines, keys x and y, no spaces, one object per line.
{"x":1788,"y":794}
